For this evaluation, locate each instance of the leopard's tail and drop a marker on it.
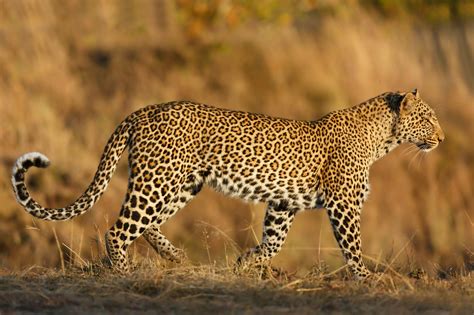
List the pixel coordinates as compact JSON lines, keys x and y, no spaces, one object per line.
{"x":108,"y":162}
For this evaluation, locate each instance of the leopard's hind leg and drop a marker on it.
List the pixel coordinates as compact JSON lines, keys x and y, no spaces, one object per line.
{"x":192,"y":185}
{"x":143,"y":212}
{"x":163,"y":246}
{"x":142,"y":206}
{"x":132,"y":222}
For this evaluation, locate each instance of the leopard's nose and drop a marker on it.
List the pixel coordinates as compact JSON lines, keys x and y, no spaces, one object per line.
{"x":440,"y":136}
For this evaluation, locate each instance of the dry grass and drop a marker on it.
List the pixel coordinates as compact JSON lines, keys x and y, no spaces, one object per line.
{"x":206,"y":288}
{"x":66,"y":79}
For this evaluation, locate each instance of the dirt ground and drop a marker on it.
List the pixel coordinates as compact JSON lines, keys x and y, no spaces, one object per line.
{"x":205,"y":289}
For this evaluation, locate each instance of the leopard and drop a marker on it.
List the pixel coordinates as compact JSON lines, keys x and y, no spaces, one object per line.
{"x":176,"y":148}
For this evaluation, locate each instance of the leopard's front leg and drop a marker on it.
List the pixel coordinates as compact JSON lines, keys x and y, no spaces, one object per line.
{"x":345,"y":221}
{"x":275,"y":229}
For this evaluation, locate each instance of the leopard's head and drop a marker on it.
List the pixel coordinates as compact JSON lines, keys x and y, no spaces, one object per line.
{"x":417,"y":122}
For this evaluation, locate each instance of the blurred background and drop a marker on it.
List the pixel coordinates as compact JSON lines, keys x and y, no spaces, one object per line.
{"x":70,"y":71}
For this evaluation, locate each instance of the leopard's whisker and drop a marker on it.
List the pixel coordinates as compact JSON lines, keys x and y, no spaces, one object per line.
{"x":409,"y":150}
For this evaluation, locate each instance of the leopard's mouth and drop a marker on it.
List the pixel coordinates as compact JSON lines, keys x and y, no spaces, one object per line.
{"x":427,"y":146}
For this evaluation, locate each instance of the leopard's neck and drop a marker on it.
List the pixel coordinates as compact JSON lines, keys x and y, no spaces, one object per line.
{"x":379,"y":122}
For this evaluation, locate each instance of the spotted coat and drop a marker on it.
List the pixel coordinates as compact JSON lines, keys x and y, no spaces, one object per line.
{"x":291,"y":165}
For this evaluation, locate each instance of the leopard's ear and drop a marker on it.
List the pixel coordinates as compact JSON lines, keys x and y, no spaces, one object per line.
{"x":416,"y":93}
{"x":408,"y":102}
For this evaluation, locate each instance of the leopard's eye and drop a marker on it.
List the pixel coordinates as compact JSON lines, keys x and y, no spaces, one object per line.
{"x":431,"y":118}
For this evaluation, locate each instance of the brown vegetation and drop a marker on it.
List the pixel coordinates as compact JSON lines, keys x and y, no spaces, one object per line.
{"x":71,"y":71}
{"x":204,"y":289}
